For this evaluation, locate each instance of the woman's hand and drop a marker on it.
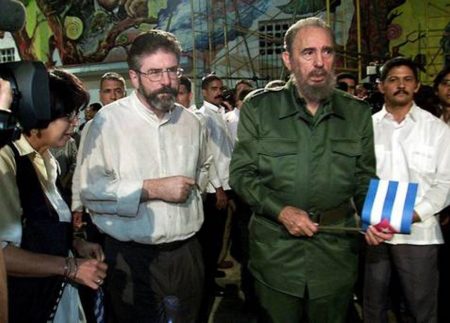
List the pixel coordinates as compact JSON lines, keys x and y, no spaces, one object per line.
{"x":90,"y":272}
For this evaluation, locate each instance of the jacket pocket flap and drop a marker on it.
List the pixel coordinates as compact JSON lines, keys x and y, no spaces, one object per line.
{"x":346,"y":147}
{"x":277,"y":147}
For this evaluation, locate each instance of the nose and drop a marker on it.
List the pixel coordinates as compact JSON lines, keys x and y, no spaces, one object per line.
{"x":165,"y":78}
{"x":318,"y":60}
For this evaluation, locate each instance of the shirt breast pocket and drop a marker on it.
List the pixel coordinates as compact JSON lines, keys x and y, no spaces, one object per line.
{"x":277,"y":163}
{"x":422,"y":158}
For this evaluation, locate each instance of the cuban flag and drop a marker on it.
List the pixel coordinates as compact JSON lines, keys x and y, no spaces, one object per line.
{"x":389,"y":206}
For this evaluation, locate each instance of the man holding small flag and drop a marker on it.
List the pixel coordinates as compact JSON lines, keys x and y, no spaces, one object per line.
{"x":412,"y":149}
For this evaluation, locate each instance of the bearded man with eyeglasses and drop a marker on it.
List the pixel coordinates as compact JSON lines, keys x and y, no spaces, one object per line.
{"x":144,"y":166}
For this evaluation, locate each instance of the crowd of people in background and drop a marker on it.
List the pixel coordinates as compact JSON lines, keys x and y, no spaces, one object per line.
{"x":129,"y":216}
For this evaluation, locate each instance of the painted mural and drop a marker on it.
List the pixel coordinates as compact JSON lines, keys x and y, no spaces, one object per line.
{"x":68,"y":32}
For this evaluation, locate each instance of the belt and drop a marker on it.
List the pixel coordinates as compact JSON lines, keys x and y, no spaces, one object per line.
{"x":332,"y":216}
{"x":169,"y":246}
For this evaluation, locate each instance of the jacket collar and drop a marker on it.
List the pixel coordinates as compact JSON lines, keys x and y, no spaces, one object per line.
{"x":295,"y":102}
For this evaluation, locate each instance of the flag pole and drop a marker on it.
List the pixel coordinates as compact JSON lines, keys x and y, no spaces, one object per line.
{"x":337,"y":229}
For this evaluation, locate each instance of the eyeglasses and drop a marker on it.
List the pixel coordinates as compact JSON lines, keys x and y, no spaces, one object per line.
{"x":156,"y":74}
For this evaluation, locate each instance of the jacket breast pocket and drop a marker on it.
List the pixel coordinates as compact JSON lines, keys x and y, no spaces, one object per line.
{"x":344,"y":154}
{"x":277,"y":163}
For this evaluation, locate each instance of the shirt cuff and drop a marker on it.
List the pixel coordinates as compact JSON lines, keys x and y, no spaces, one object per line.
{"x":424,"y":210}
{"x":129,"y":198}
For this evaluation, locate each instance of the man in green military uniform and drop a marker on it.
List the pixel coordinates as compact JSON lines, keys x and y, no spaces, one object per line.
{"x":303,"y":160}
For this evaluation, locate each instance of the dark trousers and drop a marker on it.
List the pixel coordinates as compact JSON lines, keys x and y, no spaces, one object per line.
{"x":444,"y":270}
{"x":278,"y":307}
{"x":211,"y":240}
{"x":154,"y":283}
{"x":417,"y":271}
{"x":240,"y":247}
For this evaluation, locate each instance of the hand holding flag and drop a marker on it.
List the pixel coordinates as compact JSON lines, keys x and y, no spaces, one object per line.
{"x":389,"y":206}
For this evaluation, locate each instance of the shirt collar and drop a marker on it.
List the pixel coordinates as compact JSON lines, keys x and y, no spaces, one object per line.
{"x":413,"y":113}
{"x":23,"y":147}
{"x":211,"y":106}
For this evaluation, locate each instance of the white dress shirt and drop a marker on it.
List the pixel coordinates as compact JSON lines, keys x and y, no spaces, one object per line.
{"x":232,"y":120}
{"x":416,"y":150}
{"x":219,"y":143}
{"x":126,"y":144}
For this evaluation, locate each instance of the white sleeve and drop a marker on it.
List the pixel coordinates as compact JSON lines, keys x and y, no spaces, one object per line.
{"x":101,"y":188}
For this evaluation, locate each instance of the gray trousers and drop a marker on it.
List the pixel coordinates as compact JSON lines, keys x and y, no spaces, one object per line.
{"x":417,"y":269}
{"x":154,"y":283}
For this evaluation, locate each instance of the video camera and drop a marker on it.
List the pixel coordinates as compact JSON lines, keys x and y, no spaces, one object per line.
{"x":31,"y":98}
{"x":29,"y":83}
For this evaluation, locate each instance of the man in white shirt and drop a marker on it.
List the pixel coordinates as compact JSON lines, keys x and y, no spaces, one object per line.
{"x":411,"y":145}
{"x":232,"y":117}
{"x":216,"y":201}
{"x":144,"y":166}
{"x":112,"y":88}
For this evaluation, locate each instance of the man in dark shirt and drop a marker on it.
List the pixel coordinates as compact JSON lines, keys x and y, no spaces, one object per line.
{"x":303,"y":158}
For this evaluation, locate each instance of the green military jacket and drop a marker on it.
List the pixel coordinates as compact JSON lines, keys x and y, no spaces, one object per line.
{"x":286,"y":157}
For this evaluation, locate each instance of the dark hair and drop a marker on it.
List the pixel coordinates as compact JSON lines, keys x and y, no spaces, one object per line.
{"x":209,"y":79}
{"x":303,"y":23}
{"x":342,"y":86}
{"x":114,"y":77}
{"x":67,"y":95}
{"x":149,"y":43}
{"x":440,"y":77}
{"x":427,"y":100}
{"x":184,"y":80}
{"x":345,"y":75}
{"x":396,"y":62}
{"x":95,"y":106}
{"x":246,"y":82}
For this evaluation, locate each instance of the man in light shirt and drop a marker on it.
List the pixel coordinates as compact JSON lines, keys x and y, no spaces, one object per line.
{"x":144,"y":166}
{"x":232,"y":117}
{"x":411,"y":145}
{"x":216,"y":201}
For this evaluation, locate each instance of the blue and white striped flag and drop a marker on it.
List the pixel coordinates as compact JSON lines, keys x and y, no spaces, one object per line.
{"x":389,"y":205}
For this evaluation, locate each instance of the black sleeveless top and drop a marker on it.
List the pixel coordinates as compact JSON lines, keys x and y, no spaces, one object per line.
{"x":35,"y":299}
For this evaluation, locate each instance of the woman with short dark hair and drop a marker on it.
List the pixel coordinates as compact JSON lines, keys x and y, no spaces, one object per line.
{"x":35,"y":222}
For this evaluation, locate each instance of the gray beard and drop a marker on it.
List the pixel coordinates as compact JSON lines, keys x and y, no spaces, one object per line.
{"x":162,"y":101}
{"x":316,"y":93}
{"x":164,"y":104}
